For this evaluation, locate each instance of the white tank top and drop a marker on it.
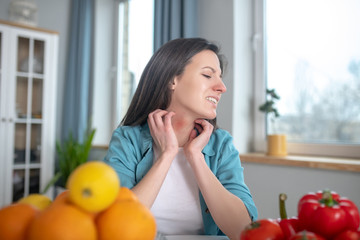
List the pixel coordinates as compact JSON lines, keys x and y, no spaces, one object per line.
{"x":177,"y":207}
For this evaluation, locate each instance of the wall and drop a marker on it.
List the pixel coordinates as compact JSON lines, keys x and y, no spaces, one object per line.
{"x":266,"y":182}
{"x":105,"y":36}
{"x":219,"y":30}
{"x":229,"y":23}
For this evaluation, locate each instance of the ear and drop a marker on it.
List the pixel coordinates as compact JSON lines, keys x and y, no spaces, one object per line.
{"x":173,"y":83}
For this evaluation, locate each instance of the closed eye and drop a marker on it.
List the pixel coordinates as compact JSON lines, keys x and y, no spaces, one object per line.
{"x":207,"y":76}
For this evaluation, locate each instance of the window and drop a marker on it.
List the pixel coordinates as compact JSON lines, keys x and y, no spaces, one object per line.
{"x":308,"y":52}
{"x":135,"y":48}
{"x":123,"y":44}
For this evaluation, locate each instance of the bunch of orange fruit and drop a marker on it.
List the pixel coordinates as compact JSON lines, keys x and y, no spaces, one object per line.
{"x":93,"y":207}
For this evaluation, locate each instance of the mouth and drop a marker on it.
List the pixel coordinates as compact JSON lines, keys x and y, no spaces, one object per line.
{"x":213,"y":100}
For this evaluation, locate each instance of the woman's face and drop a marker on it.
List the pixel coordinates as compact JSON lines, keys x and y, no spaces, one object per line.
{"x":197,"y":91}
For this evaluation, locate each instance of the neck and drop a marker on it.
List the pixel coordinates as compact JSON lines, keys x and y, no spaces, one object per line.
{"x":182,"y":127}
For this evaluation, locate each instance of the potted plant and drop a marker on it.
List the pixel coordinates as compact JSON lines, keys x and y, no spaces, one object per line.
{"x":71,"y":153}
{"x":276,"y":143}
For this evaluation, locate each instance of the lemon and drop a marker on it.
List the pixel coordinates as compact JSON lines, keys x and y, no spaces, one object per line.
{"x":93,"y":186}
{"x":37,"y":200}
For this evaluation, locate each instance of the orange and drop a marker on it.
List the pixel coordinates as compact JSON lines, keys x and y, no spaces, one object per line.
{"x":93,"y":186}
{"x":62,"y":221}
{"x":126,"y":194}
{"x":128,"y":220}
{"x":63,"y":197}
{"x":15,"y":219}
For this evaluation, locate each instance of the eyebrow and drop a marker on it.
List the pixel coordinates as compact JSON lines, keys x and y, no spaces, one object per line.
{"x":212,"y":69}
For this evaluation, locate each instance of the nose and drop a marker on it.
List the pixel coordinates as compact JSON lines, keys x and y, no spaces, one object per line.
{"x":220,"y":86}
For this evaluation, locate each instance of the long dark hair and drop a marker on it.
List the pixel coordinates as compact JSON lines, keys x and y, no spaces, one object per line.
{"x":169,"y":61}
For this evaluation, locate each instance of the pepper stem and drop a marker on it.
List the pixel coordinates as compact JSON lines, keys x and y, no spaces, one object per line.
{"x":327,"y":198}
{"x":282,"y":208}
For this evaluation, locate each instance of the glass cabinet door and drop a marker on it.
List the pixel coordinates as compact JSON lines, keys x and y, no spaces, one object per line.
{"x":29,"y":113}
{"x":28,"y":73}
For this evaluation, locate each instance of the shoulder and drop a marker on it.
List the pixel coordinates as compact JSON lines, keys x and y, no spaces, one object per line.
{"x":131,"y":132}
{"x":129,"y":142}
{"x":124,"y":137}
{"x":129,"y":137}
{"x":220,"y":141}
{"x":220,"y":136}
{"x":127,"y":130}
{"x":222,"y":133}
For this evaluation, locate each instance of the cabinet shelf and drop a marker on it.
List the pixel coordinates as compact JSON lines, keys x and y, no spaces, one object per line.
{"x":27,"y":75}
{"x":32,"y":120}
{"x":29,"y":166}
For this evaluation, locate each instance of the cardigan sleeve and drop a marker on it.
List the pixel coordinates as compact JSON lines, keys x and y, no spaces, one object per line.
{"x":231,"y":174}
{"x":123,"y":156}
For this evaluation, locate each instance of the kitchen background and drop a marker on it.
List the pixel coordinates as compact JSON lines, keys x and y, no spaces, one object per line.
{"x":228,"y":22}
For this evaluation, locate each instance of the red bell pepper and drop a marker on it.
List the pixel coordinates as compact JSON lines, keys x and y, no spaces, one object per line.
{"x":348,"y":235}
{"x":265,"y":229}
{"x":352,"y":213}
{"x":306,"y":235}
{"x":327,"y":214}
{"x":289,"y":226}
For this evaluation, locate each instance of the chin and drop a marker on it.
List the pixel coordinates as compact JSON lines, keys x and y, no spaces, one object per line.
{"x":210,"y":116}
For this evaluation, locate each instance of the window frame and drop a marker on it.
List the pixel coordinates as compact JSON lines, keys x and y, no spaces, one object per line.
{"x":259,"y":47}
{"x":118,"y":61}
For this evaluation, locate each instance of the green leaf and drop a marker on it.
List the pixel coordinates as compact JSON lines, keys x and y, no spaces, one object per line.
{"x":269,"y":106}
{"x":71,"y":153}
{"x":51,"y":182}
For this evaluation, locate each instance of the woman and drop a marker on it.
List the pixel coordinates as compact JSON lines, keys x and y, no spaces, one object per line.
{"x":169,"y":151}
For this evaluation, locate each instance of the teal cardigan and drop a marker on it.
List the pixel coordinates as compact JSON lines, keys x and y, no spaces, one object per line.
{"x":130,"y":153}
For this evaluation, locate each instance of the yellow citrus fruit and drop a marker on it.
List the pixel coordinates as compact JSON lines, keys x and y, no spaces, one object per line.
{"x":93,"y":186}
{"x":126,"y":219}
{"x":37,"y":200}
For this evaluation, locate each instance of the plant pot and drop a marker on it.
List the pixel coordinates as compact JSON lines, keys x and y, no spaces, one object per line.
{"x":276,"y":145}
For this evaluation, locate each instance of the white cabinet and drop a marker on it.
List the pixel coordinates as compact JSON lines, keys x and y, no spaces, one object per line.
{"x":28,"y":71}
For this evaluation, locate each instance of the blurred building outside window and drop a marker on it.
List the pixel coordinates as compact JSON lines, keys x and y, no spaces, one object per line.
{"x":309,"y":52}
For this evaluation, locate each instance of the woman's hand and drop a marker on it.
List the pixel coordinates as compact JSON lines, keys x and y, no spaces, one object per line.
{"x":228,"y":211}
{"x":166,"y":145}
{"x":162,"y":131}
{"x":196,"y":143}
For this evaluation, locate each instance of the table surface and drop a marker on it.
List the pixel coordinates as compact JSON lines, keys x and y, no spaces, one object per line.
{"x":190,"y":237}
